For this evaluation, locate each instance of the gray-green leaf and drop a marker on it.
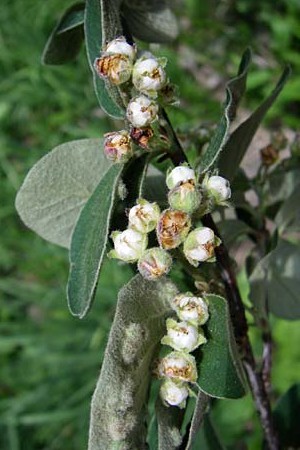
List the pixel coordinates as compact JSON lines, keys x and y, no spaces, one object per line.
{"x":89,"y":242}
{"x":286,"y":418}
{"x":220,"y":372}
{"x":65,"y":40}
{"x":100,"y":24}
{"x":118,"y":405}
{"x":58,"y":186}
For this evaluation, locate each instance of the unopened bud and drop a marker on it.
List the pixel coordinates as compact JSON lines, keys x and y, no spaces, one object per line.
{"x":218,"y":188}
{"x":154,"y":263}
{"x":120,"y":46}
{"x":141,"y":111}
{"x":199,"y":246}
{"x":129,"y":245}
{"x":269,"y":155}
{"x":180,"y":174}
{"x":172,"y":228}
{"x":116,"y":68}
{"x":148,"y":75}
{"x":144,"y":216}
{"x":185,"y":197}
{"x":118,"y":146}
{"x":183,"y":336}
{"x":190,"y":308}
{"x":142,"y":136}
{"x":178,"y":366}
{"x":174,"y":394}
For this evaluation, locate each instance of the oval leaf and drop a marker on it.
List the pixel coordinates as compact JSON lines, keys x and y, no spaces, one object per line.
{"x":118,"y":404}
{"x":58,"y":186}
{"x":220,"y":372}
{"x":65,"y":40}
{"x":286,"y":418}
{"x":89,"y":241}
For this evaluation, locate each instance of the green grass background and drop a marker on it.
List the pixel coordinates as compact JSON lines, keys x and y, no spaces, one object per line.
{"x":49,"y":361}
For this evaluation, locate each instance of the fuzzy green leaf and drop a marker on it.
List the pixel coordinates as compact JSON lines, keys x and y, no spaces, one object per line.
{"x":220,"y":372}
{"x":89,"y":242}
{"x":118,"y":405}
{"x":169,"y":422}
{"x":197,"y":419}
{"x":150,"y":21}
{"x":207,"y":438}
{"x":58,"y":186}
{"x":289,"y":214}
{"x":237,"y":144}
{"x":102,"y":23}
{"x":65,"y":40}
{"x":286,"y":418}
{"x":234,"y":92}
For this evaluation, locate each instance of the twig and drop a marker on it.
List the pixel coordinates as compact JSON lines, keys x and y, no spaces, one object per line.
{"x":267,"y":356}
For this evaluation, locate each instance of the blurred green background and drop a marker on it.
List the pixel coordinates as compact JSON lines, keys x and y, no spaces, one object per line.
{"x":49,"y":361}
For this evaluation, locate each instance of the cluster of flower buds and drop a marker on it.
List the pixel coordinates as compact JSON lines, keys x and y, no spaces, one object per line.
{"x":143,"y":78}
{"x":178,"y":368}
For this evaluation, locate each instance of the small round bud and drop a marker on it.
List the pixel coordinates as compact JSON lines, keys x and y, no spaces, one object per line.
{"x":118,"y":146}
{"x":218,"y":188}
{"x":174,"y":394}
{"x":190,"y":308}
{"x":129,"y":245}
{"x":154,"y":263}
{"x":141,"y":111}
{"x":172,"y":228}
{"x":178,"y":366}
{"x":116,"y":68}
{"x":144,"y":216}
{"x":142,"y":136}
{"x":185,"y":197}
{"x":148,"y":75}
{"x":120,"y":46}
{"x":199,"y":246}
{"x":180,"y":174}
{"x":182,"y":336}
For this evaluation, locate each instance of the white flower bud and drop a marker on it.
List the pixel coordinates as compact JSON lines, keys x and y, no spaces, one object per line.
{"x":118,"y":146}
{"x":129,"y":245}
{"x":154,"y":263}
{"x":218,"y":188}
{"x":185,"y":197}
{"x":174,"y":394}
{"x":148,"y":75}
{"x":141,"y":111}
{"x":182,"y":336}
{"x":144,"y":216}
{"x":172,"y":228}
{"x":180,"y":174}
{"x":190,"y":308}
{"x":199,"y":246}
{"x":120,"y":46}
{"x":179,"y":366}
{"x":116,"y":68}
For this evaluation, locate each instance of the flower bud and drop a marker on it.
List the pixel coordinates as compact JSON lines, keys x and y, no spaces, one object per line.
{"x":118,"y":146}
{"x":178,"y":366}
{"x":185,"y":197}
{"x":141,"y":111}
{"x":142,"y":136}
{"x":172,"y":228}
{"x":116,"y":68}
{"x":190,"y":308}
{"x":148,"y":75}
{"x":218,"y":188}
{"x":129,"y":245}
{"x":144,"y":216}
{"x":120,"y":46}
{"x":154,"y":263}
{"x":199,"y":246}
{"x":180,"y":174}
{"x":174,"y":394}
{"x":183,"y":336}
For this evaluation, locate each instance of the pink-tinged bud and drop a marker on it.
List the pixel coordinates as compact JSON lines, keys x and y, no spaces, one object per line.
{"x":200,"y":245}
{"x":144,"y":216}
{"x":148,"y":75}
{"x":118,"y":146}
{"x":120,"y":46}
{"x":129,"y":245}
{"x":179,"y":175}
{"x":190,"y":308}
{"x":185,"y":197}
{"x":154,"y":263}
{"x":178,"y":366}
{"x":116,"y":68}
{"x":142,"y":111}
{"x":172,"y":228}
{"x":174,"y":394}
{"x":183,"y":336}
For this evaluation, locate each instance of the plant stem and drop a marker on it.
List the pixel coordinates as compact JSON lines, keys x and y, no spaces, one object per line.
{"x":237,"y":313}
